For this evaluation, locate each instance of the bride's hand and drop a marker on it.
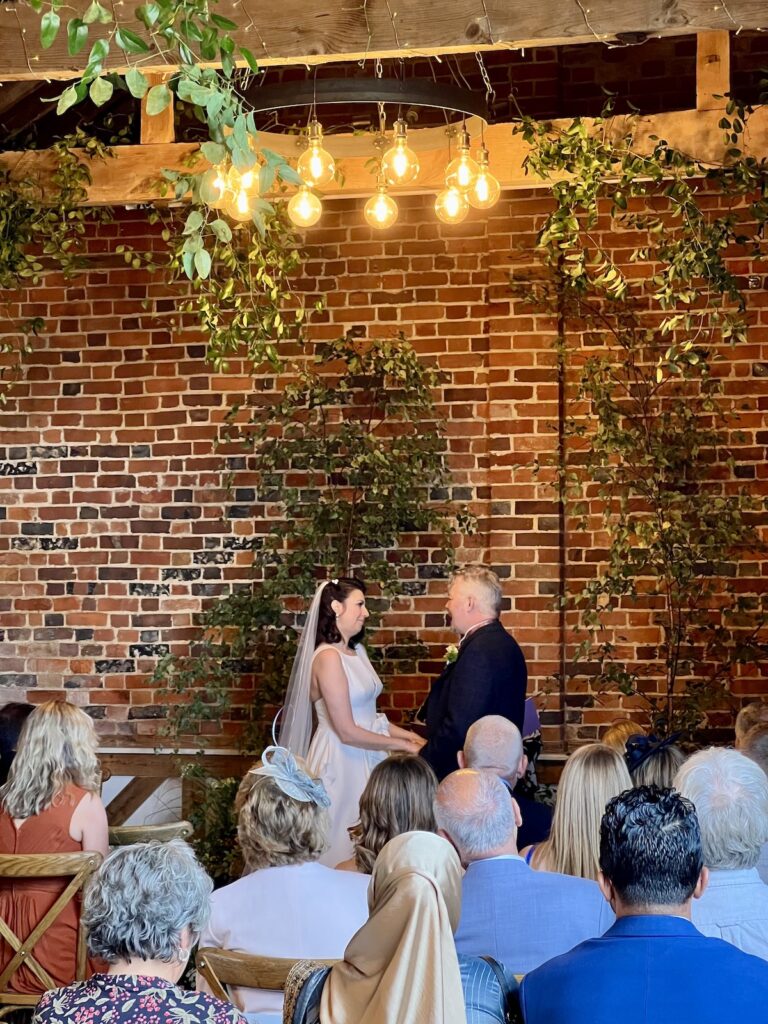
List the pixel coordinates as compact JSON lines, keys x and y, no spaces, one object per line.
{"x":411,"y":744}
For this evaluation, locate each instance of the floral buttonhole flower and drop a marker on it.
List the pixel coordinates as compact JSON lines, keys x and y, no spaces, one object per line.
{"x":451,"y":653}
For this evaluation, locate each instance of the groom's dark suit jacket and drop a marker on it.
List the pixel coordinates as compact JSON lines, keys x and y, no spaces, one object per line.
{"x":488,"y":678}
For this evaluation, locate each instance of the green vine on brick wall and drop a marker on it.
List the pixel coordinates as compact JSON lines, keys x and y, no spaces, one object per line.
{"x":650,"y":441}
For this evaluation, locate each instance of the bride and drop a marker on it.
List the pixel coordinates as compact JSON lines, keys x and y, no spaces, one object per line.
{"x":332,"y":673}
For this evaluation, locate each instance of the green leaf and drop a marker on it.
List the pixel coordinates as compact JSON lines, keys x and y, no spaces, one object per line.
{"x":99,"y":52}
{"x":249,"y":58}
{"x":222,"y":230}
{"x":225,"y":23}
{"x":289,"y":174}
{"x":203,"y":263}
{"x":67,"y":99}
{"x":49,"y":27}
{"x":95,"y":12}
{"x":137,"y":83}
{"x":77,"y":35}
{"x":188,"y":262}
{"x":158,"y":98}
{"x":194,"y":222}
{"x":148,"y":14}
{"x":130,"y":42}
{"x":100,"y":91}
{"x":213,"y":152}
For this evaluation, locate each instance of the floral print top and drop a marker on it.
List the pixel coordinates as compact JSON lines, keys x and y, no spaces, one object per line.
{"x":123,"y":998}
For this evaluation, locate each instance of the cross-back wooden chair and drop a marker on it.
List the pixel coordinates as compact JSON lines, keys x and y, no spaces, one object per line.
{"x":77,"y":867}
{"x":125,"y":835}
{"x":222,"y":968}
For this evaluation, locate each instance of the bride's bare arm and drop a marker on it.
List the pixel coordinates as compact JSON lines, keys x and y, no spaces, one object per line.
{"x":334,"y":689}
{"x":405,"y":734}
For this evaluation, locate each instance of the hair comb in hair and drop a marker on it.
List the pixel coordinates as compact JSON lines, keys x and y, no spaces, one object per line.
{"x":640,"y":748}
{"x":280,"y":765}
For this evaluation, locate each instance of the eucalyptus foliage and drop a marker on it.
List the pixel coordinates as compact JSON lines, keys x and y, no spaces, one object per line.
{"x":650,"y":438}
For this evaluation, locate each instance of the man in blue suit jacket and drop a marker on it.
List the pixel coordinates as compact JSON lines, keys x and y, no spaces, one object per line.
{"x":488,"y":677}
{"x":652,"y":966}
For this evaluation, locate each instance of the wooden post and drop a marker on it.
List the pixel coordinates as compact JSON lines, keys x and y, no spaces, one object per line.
{"x":157,"y":128}
{"x":713,"y":69}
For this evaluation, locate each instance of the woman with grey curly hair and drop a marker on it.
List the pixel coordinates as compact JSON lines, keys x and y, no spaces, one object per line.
{"x":144,"y":910}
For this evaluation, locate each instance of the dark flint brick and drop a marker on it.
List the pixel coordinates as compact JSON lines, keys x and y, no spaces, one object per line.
{"x":18,"y":453}
{"x":70,"y":357}
{"x":182,"y":494}
{"x":110,"y":665}
{"x":413,"y":588}
{"x":88,"y":512}
{"x":462,"y":494}
{"x":243,"y":543}
{"x":238,"y":512}
{"x":140,"y":451}
{"x":181,"y":574}
{"x":59,"y":543}
{"x":108,"y":572}
{"x":212,"y":557}
{"x":744,"y":472}
{"x":149,"y":636}
{"x":24,"y":543}
{"x":148,"y":650}
{"x":149,"y":589}
{"x":120,"y":512}
{"x":438,"y":494}
{"x":96,"y":711}
{"x":149,"y":711}
{"x":42,"y":451}
{"x":37,"y":529}
{"x":3,"y":513}
{"x":71,"y":390}
{"x":245,"y":494}
{"x":17,"y":469}
{"x":206,"y":589}
{"x":181,"y":512}
{"x":83,"y":634}
{"x":110,"y":451}
{"x":16,"y":679}
{"x":53,"y":633}
{"x":549,"y":587}
{"x":433,"y":572}
{"x":236,"y":462}
{"x":53,"y":620}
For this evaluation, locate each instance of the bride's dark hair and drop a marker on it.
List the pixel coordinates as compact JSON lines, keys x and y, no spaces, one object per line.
{"x":335,"y":590}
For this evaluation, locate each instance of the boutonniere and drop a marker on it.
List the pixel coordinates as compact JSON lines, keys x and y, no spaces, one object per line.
{"x":451,"y":654}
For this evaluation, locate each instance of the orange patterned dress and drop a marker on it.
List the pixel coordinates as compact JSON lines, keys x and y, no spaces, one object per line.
{"x":24,"y":903}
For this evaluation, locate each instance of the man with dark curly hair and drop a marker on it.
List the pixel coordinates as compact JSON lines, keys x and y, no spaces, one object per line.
{"x":652,"y":965}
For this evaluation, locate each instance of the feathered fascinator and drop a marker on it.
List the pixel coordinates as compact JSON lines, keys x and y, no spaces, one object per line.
{"x":280,"y":765}
{"x":640,"y":749}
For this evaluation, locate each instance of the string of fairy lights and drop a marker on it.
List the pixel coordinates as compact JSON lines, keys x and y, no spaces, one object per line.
{"x":468,"y":182}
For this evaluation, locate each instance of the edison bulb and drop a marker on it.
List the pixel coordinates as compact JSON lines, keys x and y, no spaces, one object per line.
{"x":239,"y":207}
{"x":462,"y":171}
{"x":304,"y":208}
{"x":316,"y":165}
{"x":400,"y":165}
{"x":217,"y":183}
{"x":485,"y":189}
{"x":381,"y":210}
{"x":239,"y":190}
{"x":451,"y":206}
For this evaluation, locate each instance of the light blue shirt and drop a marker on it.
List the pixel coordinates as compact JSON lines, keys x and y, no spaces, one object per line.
{"x":734,"y":907}
{"x":523,"y":917}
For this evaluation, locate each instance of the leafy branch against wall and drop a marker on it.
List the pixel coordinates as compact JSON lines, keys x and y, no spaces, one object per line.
{"x":349,"y":455}
{"x":650,"y":450}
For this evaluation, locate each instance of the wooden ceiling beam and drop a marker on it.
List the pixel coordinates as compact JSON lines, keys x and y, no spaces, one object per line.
{"x":133,"y":174}
{"x":295,"y":32}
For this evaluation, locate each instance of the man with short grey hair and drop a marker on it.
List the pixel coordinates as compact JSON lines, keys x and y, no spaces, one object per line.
{"x":485,"y":675}
{"x":494,"y":743}
{"x":755,"y":746}
{"x":730,"y":794}
{"x":519,"y":916}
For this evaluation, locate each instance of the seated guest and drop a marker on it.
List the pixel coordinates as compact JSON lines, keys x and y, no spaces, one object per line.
{"x":592,"y":776}
{"x":652,"y":965}
{"x":397,"y":798}
{"x":653,"y":762}
{"x":12,"y":716}
{"x":287,"y":905}
{"x":755,"y":713}
{"x":520,"y":917}
{"x":402,"y":966}
{"x":730,"y":794}
{"x":494,"y":744}
{"x":618,"y":732}
{"x":50,"y":804}
{"x":144,"y":910}
{"x":755,"y":747}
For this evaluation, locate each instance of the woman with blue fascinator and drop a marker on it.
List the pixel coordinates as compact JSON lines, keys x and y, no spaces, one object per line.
{"x":286,"y":904}
{"x":333,"y":677}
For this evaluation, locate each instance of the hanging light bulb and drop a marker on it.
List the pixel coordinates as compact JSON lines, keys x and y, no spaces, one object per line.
{"x":462,"y":171}
{"x":217,"y":187}
{"x":381,"y":209}
{"x":304,"y":208}
{"x":241,"y":187}
{"x":316,"y":165}
{"x":451,"y":206}
{"x":485,"y":189}
{"x":400,"y":165}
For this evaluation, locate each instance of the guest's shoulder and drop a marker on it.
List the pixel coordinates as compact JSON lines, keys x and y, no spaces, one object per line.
{"x":210,"y":1009}
{"x":350,"y":880}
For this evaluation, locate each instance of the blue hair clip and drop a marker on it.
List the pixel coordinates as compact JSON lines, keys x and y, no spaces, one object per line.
{"x":280,"y":765}
{"x":640,"y":748}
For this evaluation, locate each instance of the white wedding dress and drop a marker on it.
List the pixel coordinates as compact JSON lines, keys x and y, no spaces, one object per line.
{"x":344,"y":770}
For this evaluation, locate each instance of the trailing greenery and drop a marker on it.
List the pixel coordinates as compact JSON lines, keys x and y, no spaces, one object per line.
{"x":643,"y":331}
{"x":44,"y":229}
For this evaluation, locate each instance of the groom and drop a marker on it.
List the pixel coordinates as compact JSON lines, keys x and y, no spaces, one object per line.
{"x":488,"y":677}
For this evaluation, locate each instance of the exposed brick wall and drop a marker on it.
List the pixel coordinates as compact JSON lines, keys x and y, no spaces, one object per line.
{"x":116,"y":528}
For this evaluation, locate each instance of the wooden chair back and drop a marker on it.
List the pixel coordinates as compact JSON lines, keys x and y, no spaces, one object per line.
{"x":226,"y":967}
{"x":77,"y":867}
{"x":126,"y":835}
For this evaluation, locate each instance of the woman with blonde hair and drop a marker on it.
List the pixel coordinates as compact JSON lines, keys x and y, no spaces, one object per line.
{"x":50,"y":804}
{"x":592,"y":776}
{"x":398,"y":798}
{"x":618,"y":732}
